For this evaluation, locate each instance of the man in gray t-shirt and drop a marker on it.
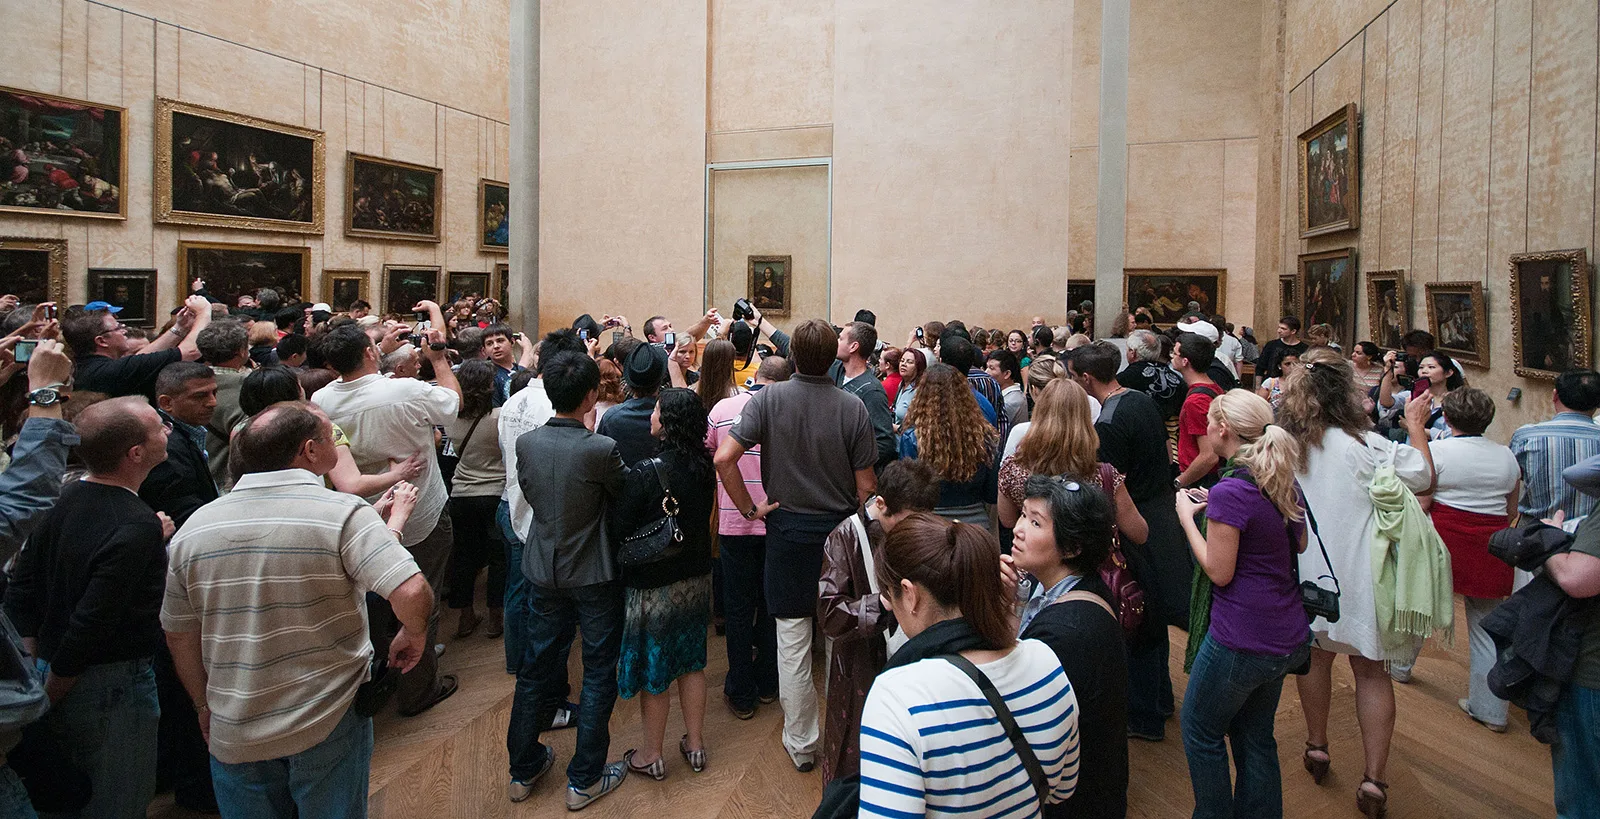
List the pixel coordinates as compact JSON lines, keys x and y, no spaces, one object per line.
{"x":817,"y":457}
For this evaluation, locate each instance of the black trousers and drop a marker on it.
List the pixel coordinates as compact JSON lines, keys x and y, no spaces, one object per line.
{"x":477,"y":544}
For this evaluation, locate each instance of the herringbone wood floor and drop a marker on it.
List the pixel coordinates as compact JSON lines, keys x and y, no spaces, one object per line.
{"x":451,"y":762}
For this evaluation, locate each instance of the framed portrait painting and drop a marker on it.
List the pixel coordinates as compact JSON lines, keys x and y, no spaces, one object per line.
{"x":233,"y":270}
{"x":62,"y":157}
{"x":222,"y":169}
{"x":34,"y":270}
{"x":1328,"y":293}
{"x":461,"y":285}
{"x":494,"y":216}
{"x":1551,"y":323}
{"x":769,"y":285}
{"x":1166,"y":294}
{"x":1330,"y":174}
{"x":132,"y":290}
{"x":1459,"y":319}
{"x":1388,"y":307}
{"x":404,"y":286}
{"x":1288,"y":294}
{"x":341,"y":288}
{"x":389,"y":199}
{"x":502,"y":285}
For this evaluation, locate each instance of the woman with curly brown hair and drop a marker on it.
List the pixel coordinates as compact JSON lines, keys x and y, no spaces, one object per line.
{"x":952,"y":428}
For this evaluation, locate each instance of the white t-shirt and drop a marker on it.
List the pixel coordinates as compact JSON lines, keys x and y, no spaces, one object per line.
{"x":1475,"y":474}
{"x":528,"y":410}
{"x":1231,"y":353}
{"x":389,"y":419}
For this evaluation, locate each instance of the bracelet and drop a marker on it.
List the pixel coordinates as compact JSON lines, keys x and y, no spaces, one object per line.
{"x":396,"y":532}
{"x":201,"y":708}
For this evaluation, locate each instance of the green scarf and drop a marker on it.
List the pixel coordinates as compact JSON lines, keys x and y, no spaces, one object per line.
{"x":1410,"y":568}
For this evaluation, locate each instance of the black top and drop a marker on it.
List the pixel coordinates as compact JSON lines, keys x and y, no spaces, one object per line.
{"x":640,"y":503}
{"x":1133,"y":438}
{"x":1272,"y":353}
{"x":1088,"y":642}
{"x":869,"y":389}
{"x":182,"y":483}
{"x":88,"y":584}
{"x":1158,"y":381}
{"x":128,"y":375}
{"x":571,"y":477}
{"x":628,"y":423}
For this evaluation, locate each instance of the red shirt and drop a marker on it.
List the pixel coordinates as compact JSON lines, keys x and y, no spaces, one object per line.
{"x":1192,"y":422}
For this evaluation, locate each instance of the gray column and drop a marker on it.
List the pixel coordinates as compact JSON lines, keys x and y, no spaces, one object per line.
{"x":524,"y":217}
{"x":1111,"y":209}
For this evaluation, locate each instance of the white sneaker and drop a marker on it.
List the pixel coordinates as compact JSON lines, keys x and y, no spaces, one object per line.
{"x":610,"y":779}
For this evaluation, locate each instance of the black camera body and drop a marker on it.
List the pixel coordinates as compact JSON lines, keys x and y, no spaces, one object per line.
{"x":415,"y":339}
{"x":1319,"y":602}
{"x":742,"y":310}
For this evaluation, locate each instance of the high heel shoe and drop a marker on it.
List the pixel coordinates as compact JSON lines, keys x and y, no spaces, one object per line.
{"x":1318,"y":768}
{"x":1373,"y":807}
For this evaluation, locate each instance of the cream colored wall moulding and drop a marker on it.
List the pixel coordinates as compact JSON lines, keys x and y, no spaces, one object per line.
{"x":1551,"y":318}
{"x":34,"y":270}
{"x":494,"y":216}
{"x":342,"y":287}
{"x":1459,"y":319}
{"x":1165,"y":294}
{"x":390,"y":199}
{"x":232,"y":270}
{"x":221,"y":169}
{"x":62,"y":157}
{"x":1329,"y":155}
{"x":1388,"y":307}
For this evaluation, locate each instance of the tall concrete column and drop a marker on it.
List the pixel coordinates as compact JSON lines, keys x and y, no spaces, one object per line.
{"x":1111,"y":209}
{"x":524,"y":216}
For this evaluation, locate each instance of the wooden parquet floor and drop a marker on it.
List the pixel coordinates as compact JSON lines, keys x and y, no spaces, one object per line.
{"x":451,"y":762}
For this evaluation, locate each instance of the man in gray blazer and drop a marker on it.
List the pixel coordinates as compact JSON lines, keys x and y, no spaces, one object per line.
{"x":569,"y":476}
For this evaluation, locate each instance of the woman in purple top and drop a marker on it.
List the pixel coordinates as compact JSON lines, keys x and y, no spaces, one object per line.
{"x":1259,"y":630}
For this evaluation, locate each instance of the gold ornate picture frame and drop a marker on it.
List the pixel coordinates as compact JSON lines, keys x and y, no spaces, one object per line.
{"x":1288,"y":294}
{"x":1551,"y":318}
{"x":34,"y":270}
{"x":1329,"y":158}
{"x":1328,"y":293}
{"x":221,"y":169}
{"x":231,"y":270}
{"x":406,"y":284}
{"x":1166,"y":294}
{"x":494,"y":216}
{"x":75,"y":156}
{"x":769,"y":282}
{"x":1388,"y":307}
{"x":390,"y":199}
{"x":1458,"y":316}
{"x":502,"y":285}
{"x":341,"y":287}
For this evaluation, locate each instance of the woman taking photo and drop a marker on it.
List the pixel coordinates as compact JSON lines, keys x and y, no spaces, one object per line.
{"x":1258,"y":629}
{"x":668,"y":602}
{"x":1060,"y":540}
{"x":1437,"y":375}
{"x":913,"y":363}
{"x":1338,"y":458}
{"x":475,"y":489}
{"x":953,"y":433}
{"x":926,"y":720}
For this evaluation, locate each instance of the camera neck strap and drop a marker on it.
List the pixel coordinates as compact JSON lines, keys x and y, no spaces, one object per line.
{"x":1239,"y":473}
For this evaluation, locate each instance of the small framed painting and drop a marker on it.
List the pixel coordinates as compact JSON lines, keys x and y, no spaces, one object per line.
{"x":132,"y":290}
{"x":1288,"y":294}
{"x":1551,"y":323}
{"x":34,"y":270}
{"x":341,"y":288}
{"x":1330,"y":169}
{"x":1459,"y":319}
{"x":494,"y":216}
{"x":1167,"y":294}
{"x":389,"y":199}
{"x":768,"y":280}
{"x":1388,"y":307}
{"x":404,"y":286}
{"x":462,"y":285}
{"x":1328,"y":285}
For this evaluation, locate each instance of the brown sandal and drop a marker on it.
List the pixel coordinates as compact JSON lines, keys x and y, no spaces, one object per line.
{"x":1373,"y":807}
{"x":1318,"y":768}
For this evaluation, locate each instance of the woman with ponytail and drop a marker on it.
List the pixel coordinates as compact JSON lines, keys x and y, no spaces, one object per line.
{"x":1259,"y":629}
{"x":927,"y":719}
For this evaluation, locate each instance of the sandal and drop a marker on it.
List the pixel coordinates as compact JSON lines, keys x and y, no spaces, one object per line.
{"x":1318,"y":768}
{"x":656,"y":770}
{"x":1373,"y":807}
{"x":696,"y":759}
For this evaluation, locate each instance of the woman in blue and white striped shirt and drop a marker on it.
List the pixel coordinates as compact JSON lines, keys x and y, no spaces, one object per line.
{"x":931,"y":745}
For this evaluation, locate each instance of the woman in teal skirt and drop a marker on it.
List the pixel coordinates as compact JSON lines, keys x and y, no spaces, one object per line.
{"x":668,"y":605}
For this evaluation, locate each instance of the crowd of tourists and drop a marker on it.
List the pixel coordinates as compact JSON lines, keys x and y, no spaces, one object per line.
{"x":232,"y":541}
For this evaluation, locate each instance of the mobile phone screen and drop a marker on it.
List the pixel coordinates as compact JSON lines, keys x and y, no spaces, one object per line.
{"x":671,"y":341}
{"x":616,"y":336}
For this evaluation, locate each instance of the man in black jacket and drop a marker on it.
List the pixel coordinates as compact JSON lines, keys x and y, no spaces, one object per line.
{"x":186,"y":394}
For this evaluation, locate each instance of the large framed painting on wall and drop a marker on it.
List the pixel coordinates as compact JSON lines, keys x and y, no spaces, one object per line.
{"x":1166,"y":293}
{"x":341,"y":288}
{"x":1328,"y":293}
{"x":34,"y":270}
{"x":62,"y":157}
{"x":1388,"y":307}
{"x":494,"y":216}
{"x":769,"y":286}
{"x":502,"y":286}
{"x":1330,"y":174}
{"x":1550,"y":312}
{"x":132,"y":290}
{"x":223,"y":169}
{"x":233,"y":270}
{"x":1459,"y":319}
{"x":389,"y":199}
{"x":405,"y":285}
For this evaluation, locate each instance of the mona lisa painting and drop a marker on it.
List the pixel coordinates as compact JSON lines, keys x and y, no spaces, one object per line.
{"x":769,"y":285}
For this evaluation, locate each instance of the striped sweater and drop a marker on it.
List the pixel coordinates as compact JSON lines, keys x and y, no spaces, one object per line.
{"x":931,"y":746}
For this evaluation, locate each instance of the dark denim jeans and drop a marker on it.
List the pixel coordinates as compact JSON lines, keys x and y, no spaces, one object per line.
{"x":552,"y":616}
{"x":1149,"y":681}
{"x":108,"y":724}
{"x":516,"y":592}
{"x":752,"y":633}
{"x":1233,"y":695}
{"x":1575,"y":757}
{"x":329,"y":779}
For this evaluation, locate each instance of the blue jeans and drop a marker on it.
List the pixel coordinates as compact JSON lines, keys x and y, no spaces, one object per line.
{"x":516,"y":637}
{"x":14,"y":802}
{"x":1575,"y":756}
{"x":1149,"y":681}
{"x":1234,"y":695}
{"x":752,"y":633}
{"x":328,"y":779}
{"x":108,"y":724}
{"x":552,"y":616}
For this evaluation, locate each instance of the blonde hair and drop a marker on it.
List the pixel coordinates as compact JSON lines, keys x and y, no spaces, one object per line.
{"x":1077,"y":340}
{"x":1060,"y":438}
{"x":953,"y":436}
{"x":262,"y":332}
{"x":1270,"y":452}
{"x":1044,"y":370}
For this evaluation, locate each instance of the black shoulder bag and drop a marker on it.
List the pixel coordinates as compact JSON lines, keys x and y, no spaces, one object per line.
{"x":660,"y":539}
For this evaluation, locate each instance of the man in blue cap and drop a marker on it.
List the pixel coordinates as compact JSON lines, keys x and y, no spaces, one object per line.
{"x":101,"y":347}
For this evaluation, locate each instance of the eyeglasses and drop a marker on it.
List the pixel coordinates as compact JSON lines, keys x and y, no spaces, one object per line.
{"x":120,"y":328}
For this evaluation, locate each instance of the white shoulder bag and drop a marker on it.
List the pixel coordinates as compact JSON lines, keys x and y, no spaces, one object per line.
{"x":895,"y":638}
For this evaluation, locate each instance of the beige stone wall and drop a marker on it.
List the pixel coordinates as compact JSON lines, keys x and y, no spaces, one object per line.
{"x":395,"y":84}
{"x":1478,"y":141}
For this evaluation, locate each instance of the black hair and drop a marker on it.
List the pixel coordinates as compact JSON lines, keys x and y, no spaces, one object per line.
{"x":1081,"y":517}
{"x":292,"y":345}
{"x":683,"y":428}
{"x":344,"y":348}
{"x":1008,"y":362}
{"x":1579,"y":390}
{"x":498,"y":329}
{"x":360,"y":304}
{"x":174,"y":376}
{"x":1291,"y":322}
{"x":957,"y":351}
{"x":866,"y":316}
{"x":519,"y":381}
{"x":1455,"y":380}
{"x":560,"y":341}
{"x":268,"y":386}
{"x":1043,"y":336}
{"x":1420,"y":339}
{"x":569,"y":377}
{"x":1099,"y":361}
{"x":1198,"y":350}
{"x":1370,"y":349}
{"x":288,"y":318}
{"x":80,"y":331}
{"x":476,"y":378}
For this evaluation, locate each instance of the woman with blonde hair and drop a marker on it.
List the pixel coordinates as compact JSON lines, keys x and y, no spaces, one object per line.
{"x":947,"y":427}
{"x":1061,"y":440}
{"x":1258,"y":627}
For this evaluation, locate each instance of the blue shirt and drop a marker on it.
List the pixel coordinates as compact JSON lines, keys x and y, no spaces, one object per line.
{"x":1543,"y":450}
{"x":502,"y":382}
{"x":31,"y":484}
{"x":1042,"y":597}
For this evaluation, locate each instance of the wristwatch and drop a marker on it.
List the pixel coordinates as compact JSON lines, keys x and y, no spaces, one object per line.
{"x":45,"y":397}
{"x":750,"y":515}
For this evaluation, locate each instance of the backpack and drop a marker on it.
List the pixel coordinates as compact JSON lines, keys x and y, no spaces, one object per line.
{"x":1127,"y":596}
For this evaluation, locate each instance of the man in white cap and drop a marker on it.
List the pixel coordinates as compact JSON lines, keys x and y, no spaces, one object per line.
{"x":1217,"y":371}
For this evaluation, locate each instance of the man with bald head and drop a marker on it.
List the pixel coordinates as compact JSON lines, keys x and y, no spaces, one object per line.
{"x":85,"y":596}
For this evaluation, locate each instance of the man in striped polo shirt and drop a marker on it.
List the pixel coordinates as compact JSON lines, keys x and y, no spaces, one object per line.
{"x":1543,"y":450}
{"x":265,"y":621}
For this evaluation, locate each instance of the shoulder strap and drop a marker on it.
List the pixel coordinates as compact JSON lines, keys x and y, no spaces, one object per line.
{"x":866,"y":551}
{"x":470,"y":430}
{"x":1030,"y":761}
{"x":661,"y":476}
{"x":1108,"y":481}
{"x":1087,"y":596}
